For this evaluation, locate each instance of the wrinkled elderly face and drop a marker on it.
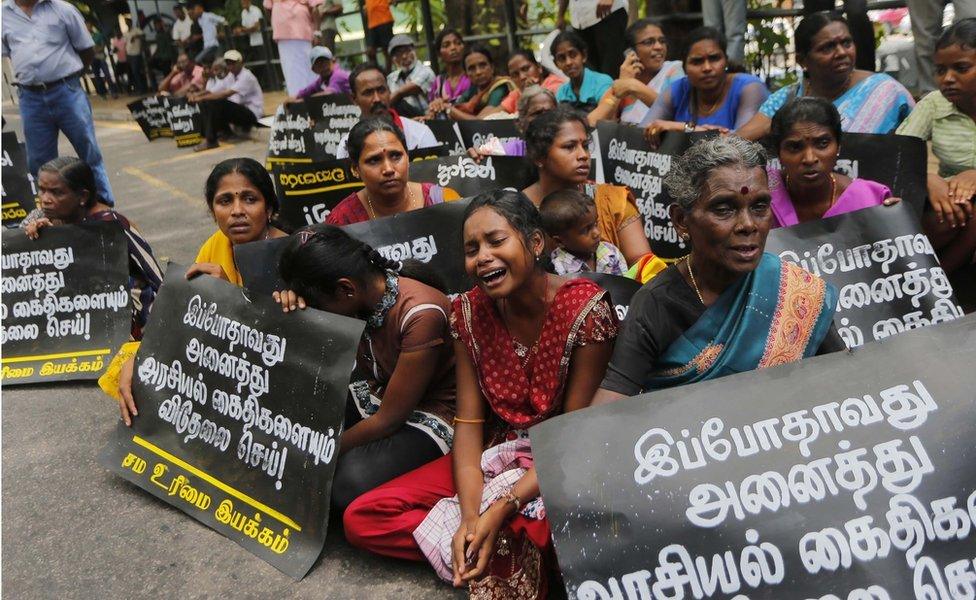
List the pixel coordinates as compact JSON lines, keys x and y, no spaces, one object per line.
{"x":729,"y":221}
{"x":219,"y":70}
{"x":404,"y":57}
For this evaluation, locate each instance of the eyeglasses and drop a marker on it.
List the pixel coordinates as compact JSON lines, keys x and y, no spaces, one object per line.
{"x":653,"y":40}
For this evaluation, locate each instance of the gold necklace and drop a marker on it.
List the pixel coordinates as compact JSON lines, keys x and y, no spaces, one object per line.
{"x":713,"y":105}
{"x":369,"y":202}
{"x":693,"y":282}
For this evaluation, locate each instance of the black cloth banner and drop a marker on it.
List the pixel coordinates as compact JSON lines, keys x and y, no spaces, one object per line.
{"x":898,"y":161}
{"x":333,"y":116}
{"x":308,"y":191}
{"x":152,"y":115}
{"x":18,"y":184}
{"x":240,"y":411}
{"x":884,"y":267}
{"x":430,"y":235}
{"x":621,"y":290}
{"x":469,"y":178}
{"x":185,"y":122}
{"x":476,"y":133}
{"x":65,"y":308}
{"x":848,"y":475}
{"x":628,"y":160}
{"x":447,"y":133}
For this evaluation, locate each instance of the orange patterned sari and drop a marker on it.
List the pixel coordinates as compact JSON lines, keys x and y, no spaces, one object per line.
{"x":777,"y":314}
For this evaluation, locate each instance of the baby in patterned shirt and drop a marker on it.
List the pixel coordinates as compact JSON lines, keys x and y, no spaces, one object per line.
{"x":569,"y":218}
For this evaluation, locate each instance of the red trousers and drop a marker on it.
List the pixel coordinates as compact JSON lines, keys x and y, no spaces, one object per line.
{"x":383,"y":520}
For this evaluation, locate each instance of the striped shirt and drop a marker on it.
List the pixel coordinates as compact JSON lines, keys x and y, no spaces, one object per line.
{"x":953,"y":133}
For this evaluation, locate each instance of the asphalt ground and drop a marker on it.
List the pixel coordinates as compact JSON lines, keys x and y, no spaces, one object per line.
{"x":70,"y":528}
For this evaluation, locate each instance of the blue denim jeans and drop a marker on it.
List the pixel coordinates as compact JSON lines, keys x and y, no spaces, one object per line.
{"x":64,"y":108}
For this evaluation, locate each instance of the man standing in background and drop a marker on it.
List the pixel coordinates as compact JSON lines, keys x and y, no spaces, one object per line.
{"x":47,"y":68}
{"x":729,"y":17}
{"x":134,"y":37}
{"x":328,"y":12}
{"x":602,"y":25}
{"x":182,"y":24}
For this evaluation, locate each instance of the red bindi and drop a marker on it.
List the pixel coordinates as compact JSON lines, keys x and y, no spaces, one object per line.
{"x":744,"y":190}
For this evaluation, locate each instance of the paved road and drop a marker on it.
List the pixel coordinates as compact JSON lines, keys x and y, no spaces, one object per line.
{"x":73,"y":530}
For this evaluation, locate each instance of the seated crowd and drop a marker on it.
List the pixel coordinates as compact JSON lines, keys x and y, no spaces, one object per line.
{"x":435,"y":462}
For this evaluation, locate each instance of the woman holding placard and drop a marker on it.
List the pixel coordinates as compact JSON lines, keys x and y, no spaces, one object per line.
{"x":868,"y":102}
{"x":558,"y":142}
{"x":947,"y":118}
{"x":727,"y":307}
{"x":806,"y":133}
{"x":67,"y":196}
{"x":402,"y":418}
{"x":529,"y":346}
{"x":242,"y":201}
{"x":378,"y":151}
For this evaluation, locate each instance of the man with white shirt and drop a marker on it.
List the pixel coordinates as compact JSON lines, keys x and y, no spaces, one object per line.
{"x":208,"y":22}
{"x":182,"y":25}
{"x":241,"y":103}
{"x":371,"y":92}
{"x":602,"y":24}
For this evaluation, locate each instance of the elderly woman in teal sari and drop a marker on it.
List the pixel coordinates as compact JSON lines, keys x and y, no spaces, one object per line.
{"x":727,"y":307}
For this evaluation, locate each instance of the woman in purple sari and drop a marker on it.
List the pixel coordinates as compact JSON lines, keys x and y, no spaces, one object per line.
{"x":806,"y":134}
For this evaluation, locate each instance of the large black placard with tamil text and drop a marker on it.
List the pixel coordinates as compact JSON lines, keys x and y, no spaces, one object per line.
{"x":17,"y":182}
{"x":240,"y":411}
{"x":257,"y":263}
{"x":333,"y":116}
{"x":66,"y":304}
{"x":152,"y":115}
{"x":309,"y":191}
{"x":290,"y":140}
{"x":185,"y":122}
{"x":898,"y":161}
{"x":629,"y":160}
{"x":470,"y":178}
{"x":884,"y":267}
{"x":430,"y":235}
{"x":840,"y":476}
{"x":477,"y":132}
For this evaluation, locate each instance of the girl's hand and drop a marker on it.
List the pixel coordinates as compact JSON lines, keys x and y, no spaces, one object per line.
{"x":462,"y":537}
{"x":482,"y":543}
{"x":211,"y":269}
{"x":289,"y":300}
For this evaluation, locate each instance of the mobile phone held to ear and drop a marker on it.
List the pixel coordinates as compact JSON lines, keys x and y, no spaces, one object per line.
{"x":628,"y":52}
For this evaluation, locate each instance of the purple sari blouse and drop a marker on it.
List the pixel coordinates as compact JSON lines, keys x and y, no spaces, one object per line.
{"x":861,"y":193}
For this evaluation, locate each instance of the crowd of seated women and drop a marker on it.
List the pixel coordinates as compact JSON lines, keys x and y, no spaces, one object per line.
{"x":435,"y":462}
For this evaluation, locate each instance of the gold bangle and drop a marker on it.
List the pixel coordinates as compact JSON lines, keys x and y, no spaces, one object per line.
{"x":511,"y":498}
{"x":472,"y":421}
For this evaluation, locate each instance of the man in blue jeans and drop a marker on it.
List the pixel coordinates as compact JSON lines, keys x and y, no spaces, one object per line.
{"x":49,"y":47}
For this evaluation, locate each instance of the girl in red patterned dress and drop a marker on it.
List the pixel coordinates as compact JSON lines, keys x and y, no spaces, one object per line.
{"x":529,"y":346}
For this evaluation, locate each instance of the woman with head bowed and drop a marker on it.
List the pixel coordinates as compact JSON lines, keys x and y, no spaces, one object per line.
{"x":529,"y":346}
{"x":947,"y":118}
{"x":867,"y":102}
{"x":67,"y":195}
{"x":378,"y":151}
{"x":452,"y":82}
{"x":708,"y":96}
{"x":644,"y":75}
{"x":806,"y":133}
{"x":402,"y":418}
{"x":727,"y":307}
{"x":558,"y":142}
{"x":525,"y":71}
{"x":242,"y":200}
{"x":486,"y":92}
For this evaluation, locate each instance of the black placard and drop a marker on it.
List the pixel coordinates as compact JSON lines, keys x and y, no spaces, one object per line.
{"x":884,"y":267}
{"x":898,"y":161}
{"x":621,"y":290}
{"x":240,"y":411}
{"x":470,"y":178}
{"x":185,"y":121}
{"x":333,"y":116}
{"x":628,"y":160}
{"x":475,"y":133}
{"x":152,"y":115}
{"x":308,"y":191}
{"x":816,"y":479}
{"x":17,"y":182}
{"x":291,"y":135}
{"x":65,"y":308}
{"x":257,"y":262}
{"x":430,"y":235}
{"x":446,"y":133}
